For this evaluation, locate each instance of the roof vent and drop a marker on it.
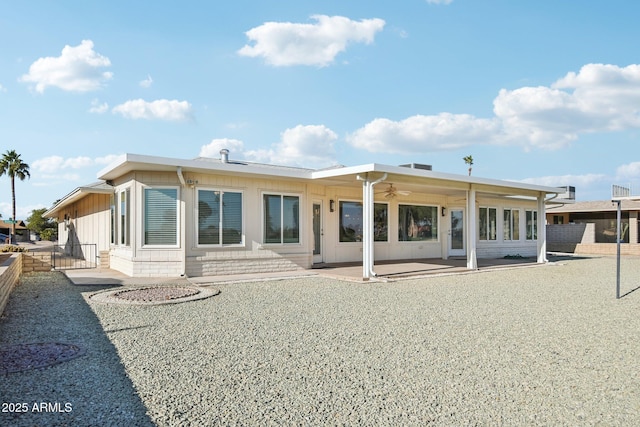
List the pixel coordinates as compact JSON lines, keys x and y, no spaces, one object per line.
{"x":417,"y":166}
{"x":224,"y":155}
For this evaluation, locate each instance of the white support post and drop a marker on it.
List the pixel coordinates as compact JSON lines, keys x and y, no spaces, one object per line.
{"x":542,"y":230}
{"x":472,"y":258}
{"x":365,"y":229}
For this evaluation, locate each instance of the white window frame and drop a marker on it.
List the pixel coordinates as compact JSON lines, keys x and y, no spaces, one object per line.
{"x":513,"y":226}
{"x":533,"y":227}
{"x":438,"y":216}
{"x":359,"y":242}
{"x":127,"y":216}
{"x":300,"y":217}
{"x":143,"y":216}
{"x":197,"y":220}
{"x":488,"y":239}
{"x":113,"y":223}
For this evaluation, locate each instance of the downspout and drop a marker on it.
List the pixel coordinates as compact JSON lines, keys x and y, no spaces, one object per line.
{"x":367,"y":224}
{"x":542,"y":230}
{"x":365,"y":217}
{"x":180,"y":176}
{"x":182,"y":225}
{"x":542,"y":227}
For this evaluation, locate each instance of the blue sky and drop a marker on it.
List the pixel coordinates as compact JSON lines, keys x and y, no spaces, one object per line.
{"x":544,"y":92}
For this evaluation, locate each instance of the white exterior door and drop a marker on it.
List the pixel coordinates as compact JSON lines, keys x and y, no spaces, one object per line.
{"x":456,"y":232}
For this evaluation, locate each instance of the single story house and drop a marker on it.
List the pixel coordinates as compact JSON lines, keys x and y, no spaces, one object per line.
{"x":590,"y":227}
{"x":157,"y":216}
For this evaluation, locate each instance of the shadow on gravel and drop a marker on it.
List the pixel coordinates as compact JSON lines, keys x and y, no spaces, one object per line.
{"x":629,"y":292}
{"x":92,"y":389}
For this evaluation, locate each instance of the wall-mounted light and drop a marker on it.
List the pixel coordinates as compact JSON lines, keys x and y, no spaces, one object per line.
{"x":444,"y":211}
{"x":332,"y":205}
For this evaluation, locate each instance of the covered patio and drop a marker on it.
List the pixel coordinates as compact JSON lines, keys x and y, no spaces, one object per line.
{"x":459,"y":237}
{"x":402,"y":269}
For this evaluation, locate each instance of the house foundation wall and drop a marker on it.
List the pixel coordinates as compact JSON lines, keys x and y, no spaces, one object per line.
{"x":202,"y":266}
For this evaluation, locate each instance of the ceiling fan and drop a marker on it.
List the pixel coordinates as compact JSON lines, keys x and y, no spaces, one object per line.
{"x":392,"y":192}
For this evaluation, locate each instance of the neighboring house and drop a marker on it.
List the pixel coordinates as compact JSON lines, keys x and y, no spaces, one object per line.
{"x":590,"y":227}
{"x":6,"y":227}
{"x":156,"y":216}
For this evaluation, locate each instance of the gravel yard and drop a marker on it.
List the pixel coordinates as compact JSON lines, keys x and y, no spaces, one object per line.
{"x":547,"y":345}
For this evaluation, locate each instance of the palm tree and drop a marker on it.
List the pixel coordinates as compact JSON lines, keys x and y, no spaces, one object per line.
{"x":13,"y":166}
{"x":469,"y":161}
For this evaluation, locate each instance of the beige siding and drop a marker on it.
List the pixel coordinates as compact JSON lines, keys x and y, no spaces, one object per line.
{"x":88,"y":223}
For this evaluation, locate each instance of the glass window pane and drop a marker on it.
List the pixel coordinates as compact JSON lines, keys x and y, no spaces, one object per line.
{"x":482,"y":223}
{"x":112,"y":208}
{"x":380,"y":222}
{"x":231,"y":218}
{"x":124,"y":217}
{"x":350,"y":222}
{"x":493,"y":213}
{"x":532,"y":224}
{"x":208,"y":217}
{"x":417,"y":223}
{"x":506,"y":224}
{"x":160,"y":216}
{"x":272,"y":219}
{"x":516,"y":224}
{"x":291,"y":219}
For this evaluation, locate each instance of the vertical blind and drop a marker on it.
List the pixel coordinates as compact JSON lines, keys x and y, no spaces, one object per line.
{"x":160,"y":216}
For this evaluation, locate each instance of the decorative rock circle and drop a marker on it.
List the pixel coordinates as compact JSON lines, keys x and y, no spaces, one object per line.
{"x":22,"y":357}
{"x":154,"y":295}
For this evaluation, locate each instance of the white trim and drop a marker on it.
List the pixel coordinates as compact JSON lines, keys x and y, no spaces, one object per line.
{"x":196,"y":227}
{"x":450,"y":251}
{"x":359,"y":243}
{"x":438,"y":225}
{"x":178,"y":216}
{"x":301,"y":213}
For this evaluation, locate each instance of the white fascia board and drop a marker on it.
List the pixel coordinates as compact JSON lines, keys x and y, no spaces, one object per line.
{"x":74,"y":196}
{"x":421,"y":173}
{"x":133,"y":162}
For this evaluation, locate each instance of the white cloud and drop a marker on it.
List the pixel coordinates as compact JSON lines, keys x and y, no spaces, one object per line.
{"x":162,"y":109}
{"x":98,"y":108}
{"x":421,"y":134}
{"x":109,"y":159}
{"x":286,"y":43}
{"x":146,"y":82}
{"x":630,"y":171}
{"x":213,"y":148}
{"x":2,"y":88}
{"x":309,"y":146}
{"x":53,"y":164}
{"x":578,"y":181}
{"x":599,"y":98}
{"x":77,"y":69}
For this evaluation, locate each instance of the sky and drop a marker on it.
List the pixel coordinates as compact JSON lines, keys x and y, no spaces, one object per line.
{"x":543,"y":92}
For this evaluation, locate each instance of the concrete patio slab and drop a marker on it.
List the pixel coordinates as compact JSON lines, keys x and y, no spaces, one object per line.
{"x":385,"y":270}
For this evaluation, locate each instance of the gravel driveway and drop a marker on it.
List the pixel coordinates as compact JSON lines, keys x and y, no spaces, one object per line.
{"x":547,"y":345}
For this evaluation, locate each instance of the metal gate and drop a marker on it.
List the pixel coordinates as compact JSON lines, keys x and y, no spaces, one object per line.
{"x":74,"y":256}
